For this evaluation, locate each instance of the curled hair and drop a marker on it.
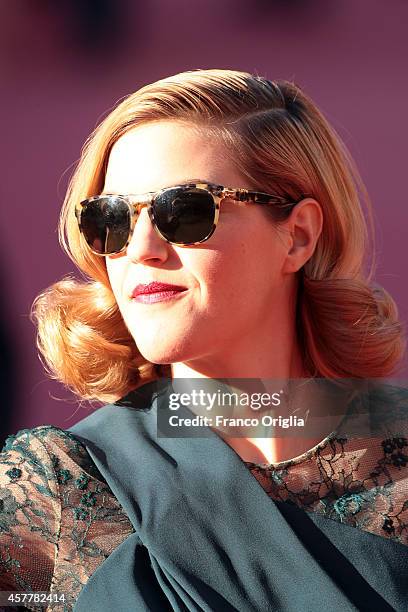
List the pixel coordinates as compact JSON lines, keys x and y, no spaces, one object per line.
{"x":275,"y":136}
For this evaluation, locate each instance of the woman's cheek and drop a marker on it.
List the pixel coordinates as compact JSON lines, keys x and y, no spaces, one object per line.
{"x":116,"y":276}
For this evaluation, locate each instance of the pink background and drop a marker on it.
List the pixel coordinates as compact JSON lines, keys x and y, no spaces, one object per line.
{"x":65,"y":64}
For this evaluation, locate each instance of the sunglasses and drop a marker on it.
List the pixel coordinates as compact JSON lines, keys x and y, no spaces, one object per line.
{"x":184,"y":215}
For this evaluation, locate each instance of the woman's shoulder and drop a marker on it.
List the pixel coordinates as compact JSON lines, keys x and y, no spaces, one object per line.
{"x":59,"y":519}
{"x":49,"y":462}
{"x":47,"y":446}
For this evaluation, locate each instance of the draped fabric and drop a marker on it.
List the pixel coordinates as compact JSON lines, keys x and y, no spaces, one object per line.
{"x":208,"y":536}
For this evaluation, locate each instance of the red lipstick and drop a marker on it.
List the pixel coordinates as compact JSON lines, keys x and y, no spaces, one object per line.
{"x":156,"y":292}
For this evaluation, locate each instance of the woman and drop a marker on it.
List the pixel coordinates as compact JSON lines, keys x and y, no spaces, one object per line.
{"x":218,"y":221}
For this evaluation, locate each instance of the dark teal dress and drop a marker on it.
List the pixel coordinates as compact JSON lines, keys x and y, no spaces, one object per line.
{"x":209,"y":538}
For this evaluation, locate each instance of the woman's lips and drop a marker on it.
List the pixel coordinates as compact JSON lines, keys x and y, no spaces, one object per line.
{"x":160,"y":296}
{"x":156,"y":292}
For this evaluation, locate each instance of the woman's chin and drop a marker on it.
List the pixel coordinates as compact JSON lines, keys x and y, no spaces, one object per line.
{"x":161,"y":357}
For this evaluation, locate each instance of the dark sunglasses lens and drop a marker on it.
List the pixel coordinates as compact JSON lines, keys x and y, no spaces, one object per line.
{"x":105,"y":224}
{"x":184,"y":215}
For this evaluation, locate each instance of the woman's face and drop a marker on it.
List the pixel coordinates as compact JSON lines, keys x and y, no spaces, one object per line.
{"x":237,"y":286}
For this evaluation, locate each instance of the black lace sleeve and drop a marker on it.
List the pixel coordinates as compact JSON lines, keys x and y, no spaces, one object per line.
{"x":59,"y":520}
{"x":30,"y":512}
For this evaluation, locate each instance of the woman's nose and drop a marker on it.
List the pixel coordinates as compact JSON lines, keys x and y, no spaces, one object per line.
{"x":145,"y":242}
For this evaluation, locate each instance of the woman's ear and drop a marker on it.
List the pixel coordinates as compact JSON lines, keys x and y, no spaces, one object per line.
{"x":304,"y":226}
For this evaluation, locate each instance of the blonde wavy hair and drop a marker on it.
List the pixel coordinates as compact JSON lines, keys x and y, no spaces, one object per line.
{"x":347,"y":325}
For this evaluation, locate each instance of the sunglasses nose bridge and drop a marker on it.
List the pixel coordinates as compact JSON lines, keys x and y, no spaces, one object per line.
{"x":137,"y":208}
